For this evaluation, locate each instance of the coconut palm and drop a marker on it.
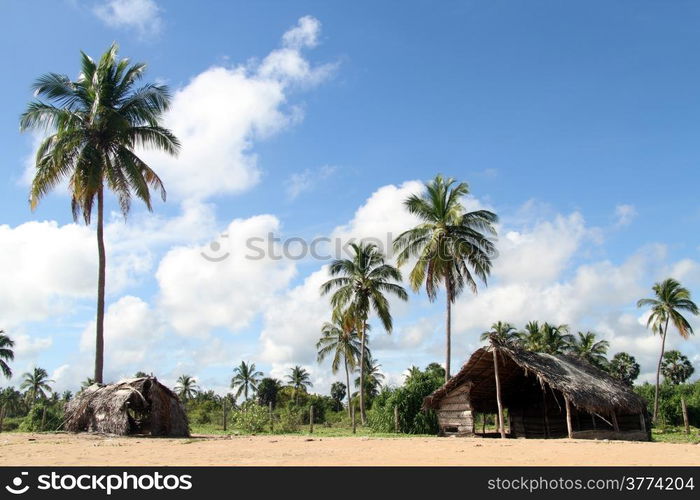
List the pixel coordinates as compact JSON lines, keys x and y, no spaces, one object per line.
{"x":670,"y":299}
{"x":36,"y":383}
{"x":186,"y":387}
{"x":95,"y":125}
{"x":299,"y":379}
{"x":245,"y":378}
{"x":585,"y":346}
{"x":503,"y":333}
{"x":624,"y":367}
{"x":6,"y":354}
{"x":676,"y":369}
{"x":373,"y":377}
{"x":340,"y":340}
{"x":362,"y":283}
{"x":452,"y":246}
{"x":545,"y":337}
{"x":87,"y":383}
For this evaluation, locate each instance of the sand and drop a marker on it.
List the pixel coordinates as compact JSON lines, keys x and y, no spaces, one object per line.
{"x":69,"y":449}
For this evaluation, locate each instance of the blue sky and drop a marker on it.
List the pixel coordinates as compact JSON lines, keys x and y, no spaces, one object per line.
{"x":576,"y":122}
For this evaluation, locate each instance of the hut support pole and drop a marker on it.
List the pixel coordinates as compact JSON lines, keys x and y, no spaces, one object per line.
{"x":546,"y":417}
{"x":569,"y":426}
{"x":501,"y":425}
{"x":642,"y":423}
{"x":616,"y":427}
{"x":595,"y":427}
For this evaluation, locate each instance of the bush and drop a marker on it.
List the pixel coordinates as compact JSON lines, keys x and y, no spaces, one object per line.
{"x":251,"y":418}
{"x":289,"y":420}
{"x":670,"y":402}
{"x":51,"y":421}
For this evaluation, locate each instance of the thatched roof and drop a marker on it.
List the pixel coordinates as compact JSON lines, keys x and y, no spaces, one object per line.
{"x":132,"y":406}
{"x":586,"y":386}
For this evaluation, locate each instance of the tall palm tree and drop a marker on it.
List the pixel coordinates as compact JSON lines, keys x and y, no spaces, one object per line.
{"x":36,"y":383}
{"x":245,"y":378}
{"x":453,"y":247}
{"x":624,"y":367}
{"x":6,"y":354}
{"x":340,"y":339}
{"x":299,"y":379}
{"x":96,"y":123}
{"x":362,"y":283}
{"x":670,"y":298}
{"x":186,"y":387}
{"x":585,"y":346}
{"x":503,"y":332}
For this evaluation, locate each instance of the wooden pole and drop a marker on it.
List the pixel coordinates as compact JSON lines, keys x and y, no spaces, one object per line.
{"x":594,"y":424}
{"x":546,"y":417}
{"x":311,"y":419}
{"x":685,"y":415}
{"x":642,"y":423}
{"x":272,"y":420}
{"x":2,"y":417}
{"x":43,"y":419}
{"x":616,"y":427}
{"x":352,"y":418}
{"x":501,"y":425}
{"x":569,"y":426}
{"x":396,"y":419}
{"x":224,"y":408}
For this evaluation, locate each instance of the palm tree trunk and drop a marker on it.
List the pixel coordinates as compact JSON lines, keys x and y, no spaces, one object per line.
{"x":347,"y":380}
{"x":684,"y":410}
{"x":658,"y":373}
{"x":102,"y":263}
{"x":448,"y":329}
{"x":362,"y":373}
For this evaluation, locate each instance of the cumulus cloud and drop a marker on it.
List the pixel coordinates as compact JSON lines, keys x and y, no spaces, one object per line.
{"x":306,"y":180}
{"x":222,"y":111}
{"x":624,"y":215}
{"x":143,"y":16}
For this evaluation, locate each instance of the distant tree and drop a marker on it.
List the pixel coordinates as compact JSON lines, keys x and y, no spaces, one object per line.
{"x":413,"y":371}
{"x":670,"y":298}
{"x":186,"y":387}
{"x":624,"y":367}
{"x":13,"y":402}
{"x":37,"y":384}
{"x":373,"y":378}
{"x":545,"y":337}
{"x":504,"y":333}
{"x":677,"y":369}
{"x":299,"y":379}
{"x":245,"y":379}
{"x":6,"y":354}
{"x":268,"y":389}
{"x":66,"y":396}
{"x":435,"y":370}
{"x":338,"y":391}
{"x":584,"y":346}
{"x":140,"y":374}
{"x":86,"y":383}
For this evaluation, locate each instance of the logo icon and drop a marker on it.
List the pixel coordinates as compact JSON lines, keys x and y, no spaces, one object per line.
{"x":17,"y":482}
{"x":215,"y":247}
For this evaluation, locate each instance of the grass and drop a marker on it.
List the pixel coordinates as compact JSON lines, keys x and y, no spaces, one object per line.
{"x":675,"y":435}
{"x":319,"y":431}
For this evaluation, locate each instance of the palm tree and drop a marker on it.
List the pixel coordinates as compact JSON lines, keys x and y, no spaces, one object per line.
{"x":299,"y":379}
{"x":373,"y":377}
{"x":452,"y":246}
{"x":245,"y":378}
{"x":545,"y":337}
{"x":340,"y":339}
{"x":676,"y":369}
{"x":6,"y":354}
{"x":268,"y":388}
{"x":584,"y":346}
{"x":36,"y":383}
{"x":670,"y":298}
{"x":186,"y":387}
{"x":97,"y":122}
{"x":503,"y":333}
{"x":338,"y":392}
{"x":362,"y":283}
{"x":624,"y":367}
{"x":86,"y":383}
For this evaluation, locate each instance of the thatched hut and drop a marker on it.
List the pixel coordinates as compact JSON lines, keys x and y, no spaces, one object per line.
{"x":547,"y":396}
{"x":133,"y":406}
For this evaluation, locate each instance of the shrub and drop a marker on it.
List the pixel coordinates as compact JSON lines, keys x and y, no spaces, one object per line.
{"x":51,"y":421}
{"x":289,"y":420}
{"x":251,"y":418}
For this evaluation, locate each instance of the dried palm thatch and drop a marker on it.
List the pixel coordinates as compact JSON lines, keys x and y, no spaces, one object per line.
{"x":132,"y":406}
{"x":585,"y":386}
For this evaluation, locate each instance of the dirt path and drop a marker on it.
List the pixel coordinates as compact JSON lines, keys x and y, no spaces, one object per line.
{"x":65,"y":449}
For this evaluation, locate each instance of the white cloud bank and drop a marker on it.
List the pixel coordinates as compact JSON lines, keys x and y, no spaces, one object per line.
{"x":143,"y":16}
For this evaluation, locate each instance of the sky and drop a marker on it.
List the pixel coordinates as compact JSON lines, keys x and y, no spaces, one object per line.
{"x":577,"y":122}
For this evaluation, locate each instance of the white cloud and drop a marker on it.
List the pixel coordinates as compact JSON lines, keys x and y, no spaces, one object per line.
{"x":27,"y":347}
{"x":222,"y":111}
{"x":300,"y":182}
{"x":206,"y":287}
{"x":304,"y":34}
{"x":625,"y":214}
{"x":142,"y":16}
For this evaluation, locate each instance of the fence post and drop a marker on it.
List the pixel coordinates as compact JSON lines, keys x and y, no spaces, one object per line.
{"x":224,"y":404}
{"x":2,"y":417}
{"x":311,"y":419}
{"x":396,"y":419}
{"x":352,"y":418}
{"x":43,"y":419}
{"x":272,"y":424}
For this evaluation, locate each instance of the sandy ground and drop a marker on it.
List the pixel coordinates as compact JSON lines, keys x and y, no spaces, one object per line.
{"x":67,"y":449}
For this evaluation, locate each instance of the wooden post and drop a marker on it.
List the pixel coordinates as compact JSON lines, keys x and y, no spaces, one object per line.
{"x":501,"y":425}
{"x":642,"y":423}
{"x":311,"y":419}
{"x":2,"y":416}
{"x":396,"y":419}
{"x":483,"y":424}
{"x":272,"y":419}
{"x":594,"y":424}
{"x":684,"y":408}
{"x":224,"y":409}
{"x":616,"y":427}
{"x":43,"y":419}
{"x":546,"y":417}
{"x":569,"y":426}
{"x":352,"y":418}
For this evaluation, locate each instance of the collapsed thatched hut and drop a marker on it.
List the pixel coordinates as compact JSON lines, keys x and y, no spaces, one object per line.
{"x":132,"y":406}
{"x":547,"y":396}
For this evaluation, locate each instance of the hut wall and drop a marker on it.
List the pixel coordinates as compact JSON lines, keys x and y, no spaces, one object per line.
{"x":454,"y":413}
